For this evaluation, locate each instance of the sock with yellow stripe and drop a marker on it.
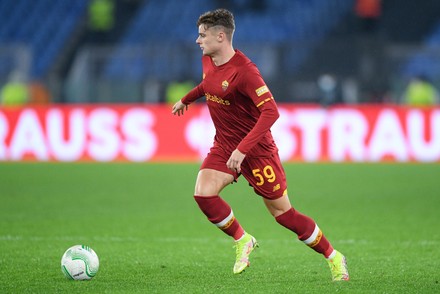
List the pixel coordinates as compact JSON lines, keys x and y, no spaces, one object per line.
{"x":307,"y":231}
{"x":220,"y":214}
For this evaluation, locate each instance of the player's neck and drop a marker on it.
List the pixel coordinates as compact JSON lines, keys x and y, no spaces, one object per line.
{"x":223,"y":56}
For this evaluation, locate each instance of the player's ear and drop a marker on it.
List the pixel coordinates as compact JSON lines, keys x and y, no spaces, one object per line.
{"x":221,"y":36}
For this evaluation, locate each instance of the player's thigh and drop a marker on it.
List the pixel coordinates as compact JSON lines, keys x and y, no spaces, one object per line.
{"x":266,"y":175}
{"x":214,"y":174}
{"x":211,"y":182}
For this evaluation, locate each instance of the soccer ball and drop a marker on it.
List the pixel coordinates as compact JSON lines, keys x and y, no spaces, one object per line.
{"x":79,"y":262}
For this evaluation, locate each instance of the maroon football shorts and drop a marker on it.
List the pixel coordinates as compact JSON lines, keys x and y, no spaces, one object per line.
{"x":265,"y":174}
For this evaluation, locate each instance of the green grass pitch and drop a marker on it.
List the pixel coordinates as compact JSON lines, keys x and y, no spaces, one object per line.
{"x":151,"y":237}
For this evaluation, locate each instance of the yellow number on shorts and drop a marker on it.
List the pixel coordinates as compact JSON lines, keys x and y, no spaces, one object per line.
{"x":257,"y":174}
{"x":268,"y":173}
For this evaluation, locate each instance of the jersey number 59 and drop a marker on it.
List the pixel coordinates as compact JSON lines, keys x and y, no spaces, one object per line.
{"x":267,"y":174}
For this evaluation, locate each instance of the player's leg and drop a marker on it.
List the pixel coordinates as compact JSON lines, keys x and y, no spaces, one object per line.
{"x":213,"y":177}
{"x":302,"y":225}
{"x":308,"y":232}
{"x":209,"y":184}
{"x":267,"y":177}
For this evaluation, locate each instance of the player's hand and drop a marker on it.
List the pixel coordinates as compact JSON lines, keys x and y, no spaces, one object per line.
{"x":179,"y":108}
{"x":234,"y":162}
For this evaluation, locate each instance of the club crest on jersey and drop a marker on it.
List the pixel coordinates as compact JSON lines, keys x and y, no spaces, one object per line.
{"x":225,"y":85}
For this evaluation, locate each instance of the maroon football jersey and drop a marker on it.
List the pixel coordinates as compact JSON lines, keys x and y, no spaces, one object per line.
{"x":242,"y":107}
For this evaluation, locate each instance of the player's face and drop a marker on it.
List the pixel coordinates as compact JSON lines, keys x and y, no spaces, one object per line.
{"x":208,"y":40}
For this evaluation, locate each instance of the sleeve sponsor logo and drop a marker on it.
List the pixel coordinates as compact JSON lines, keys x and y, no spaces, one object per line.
{"x":260,"y":91}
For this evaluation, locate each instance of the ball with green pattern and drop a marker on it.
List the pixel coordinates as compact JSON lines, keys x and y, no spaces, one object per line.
{"x":80,"y":262}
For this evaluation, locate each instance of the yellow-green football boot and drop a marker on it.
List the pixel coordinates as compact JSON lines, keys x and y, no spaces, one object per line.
{"x":338,"y":267}
{"x":243,"y":248}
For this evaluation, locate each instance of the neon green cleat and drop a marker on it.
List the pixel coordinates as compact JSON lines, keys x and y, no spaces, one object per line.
{"x":338,"y":267}
{"x":243,"y":249}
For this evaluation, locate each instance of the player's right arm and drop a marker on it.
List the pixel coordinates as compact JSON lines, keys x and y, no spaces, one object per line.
{"x":182,"y":105}
{"x":179,"y":108}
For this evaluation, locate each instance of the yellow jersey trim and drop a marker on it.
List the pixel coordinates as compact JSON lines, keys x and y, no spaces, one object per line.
{"x":264,"y":101}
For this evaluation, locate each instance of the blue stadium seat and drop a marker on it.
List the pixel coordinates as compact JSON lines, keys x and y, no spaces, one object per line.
{"x":43,"y":25}
{"x":427,"y":61}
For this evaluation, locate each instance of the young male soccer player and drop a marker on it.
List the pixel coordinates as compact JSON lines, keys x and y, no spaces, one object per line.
{"x":243,"y":110}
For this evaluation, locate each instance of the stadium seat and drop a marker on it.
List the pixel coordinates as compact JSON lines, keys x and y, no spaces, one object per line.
{"x":427,"y":60}
{"x":44,"y":26}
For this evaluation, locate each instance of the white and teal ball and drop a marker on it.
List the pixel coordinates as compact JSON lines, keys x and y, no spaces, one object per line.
{"x":80,"y":262}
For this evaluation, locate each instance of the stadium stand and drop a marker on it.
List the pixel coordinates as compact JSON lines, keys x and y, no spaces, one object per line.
{"x":290,"y":40}
{"x":43,"y":25}
{"x":281,"y":22}
{"x":427,"y":60}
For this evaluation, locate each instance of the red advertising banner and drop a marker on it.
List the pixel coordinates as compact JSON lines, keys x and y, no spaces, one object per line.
{"x":141,"y":133}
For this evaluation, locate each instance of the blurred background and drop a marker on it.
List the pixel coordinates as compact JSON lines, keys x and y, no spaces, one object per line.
{"x":143,"y":51}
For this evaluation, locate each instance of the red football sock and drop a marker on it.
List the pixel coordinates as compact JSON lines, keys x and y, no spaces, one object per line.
{"x":307,"y":231}
{"x":220,"y":213}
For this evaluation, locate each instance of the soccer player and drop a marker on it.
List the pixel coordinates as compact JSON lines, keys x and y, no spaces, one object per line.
{"x":243,"y":110}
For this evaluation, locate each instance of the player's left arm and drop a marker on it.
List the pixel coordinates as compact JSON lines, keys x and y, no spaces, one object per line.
{"x":257,"y":90}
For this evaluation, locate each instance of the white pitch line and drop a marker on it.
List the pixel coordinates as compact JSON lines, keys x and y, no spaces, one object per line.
{"x":68,"y":238}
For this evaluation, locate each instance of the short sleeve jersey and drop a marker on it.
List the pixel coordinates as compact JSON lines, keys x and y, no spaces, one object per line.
{"x":241,"y":105}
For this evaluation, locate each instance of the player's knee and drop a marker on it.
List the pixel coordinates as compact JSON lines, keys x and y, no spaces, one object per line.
{"x":278,"y":206}
{"x":278,"y":211}
{"x":203,"y":192}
